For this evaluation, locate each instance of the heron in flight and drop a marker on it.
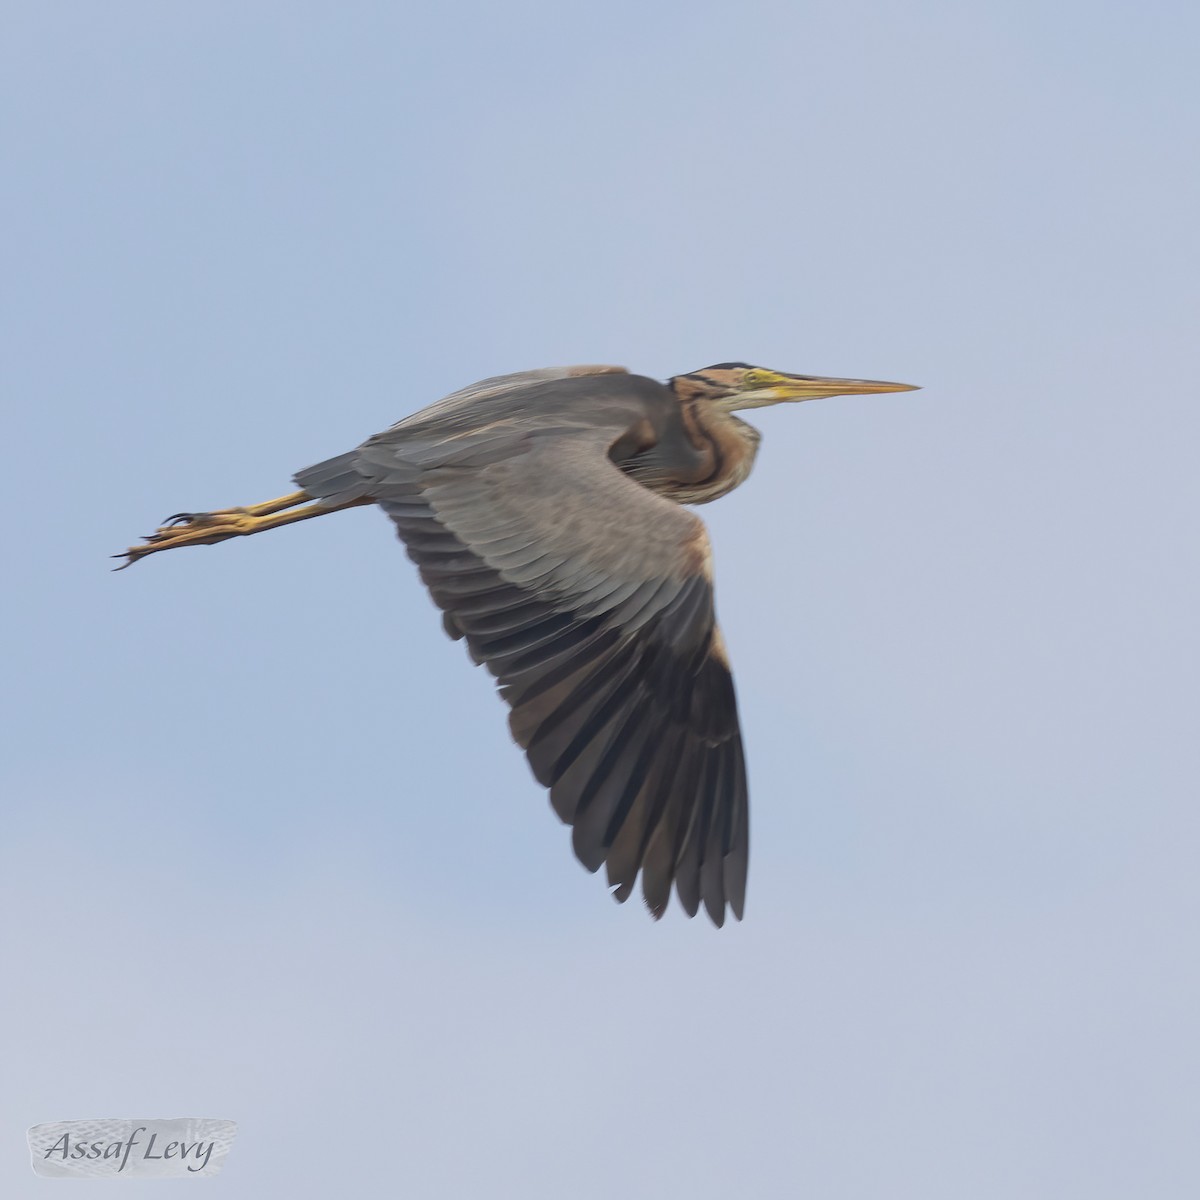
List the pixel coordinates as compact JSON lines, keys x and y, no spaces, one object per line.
{"x":543,"y":510}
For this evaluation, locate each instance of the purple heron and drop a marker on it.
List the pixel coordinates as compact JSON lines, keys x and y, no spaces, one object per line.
{"x":543,"y":510}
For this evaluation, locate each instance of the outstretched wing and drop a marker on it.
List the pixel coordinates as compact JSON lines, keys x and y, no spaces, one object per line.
{"x":590,"y":598}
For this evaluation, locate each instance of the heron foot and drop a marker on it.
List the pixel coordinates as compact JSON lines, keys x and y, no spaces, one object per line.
{"x":208,"y":528}
{"x":191,"y":529}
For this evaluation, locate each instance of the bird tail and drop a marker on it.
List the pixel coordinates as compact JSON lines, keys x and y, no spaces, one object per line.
{"x":336,"y":481}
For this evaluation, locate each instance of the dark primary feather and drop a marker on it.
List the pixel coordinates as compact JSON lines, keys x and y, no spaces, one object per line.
{"x":590,"y":598}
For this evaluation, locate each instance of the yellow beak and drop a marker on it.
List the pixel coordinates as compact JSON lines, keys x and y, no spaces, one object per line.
{"x":761,"y":387}
{"x":812,"y":387}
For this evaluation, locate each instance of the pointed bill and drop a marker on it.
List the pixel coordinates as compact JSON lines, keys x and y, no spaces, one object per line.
{"x":761,"y":386}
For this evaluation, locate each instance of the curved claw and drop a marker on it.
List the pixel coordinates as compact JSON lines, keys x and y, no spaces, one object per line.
{"x":133,"y":554}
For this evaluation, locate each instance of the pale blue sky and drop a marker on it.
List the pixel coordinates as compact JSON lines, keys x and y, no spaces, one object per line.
{"x":268,"y":852}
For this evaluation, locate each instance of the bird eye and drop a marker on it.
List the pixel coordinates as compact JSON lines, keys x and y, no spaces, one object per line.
{"x":755,"y":377}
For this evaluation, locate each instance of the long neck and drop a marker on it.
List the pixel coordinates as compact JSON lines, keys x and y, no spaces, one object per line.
{"x":701,"y":452}
{"x":728,"y":444}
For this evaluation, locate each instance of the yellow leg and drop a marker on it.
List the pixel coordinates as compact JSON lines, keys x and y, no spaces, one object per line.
{"x":250,"y":510}
{"x":206,"y":529}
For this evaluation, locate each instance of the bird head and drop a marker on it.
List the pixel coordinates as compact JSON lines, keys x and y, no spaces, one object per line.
{"x":739,"y":385}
